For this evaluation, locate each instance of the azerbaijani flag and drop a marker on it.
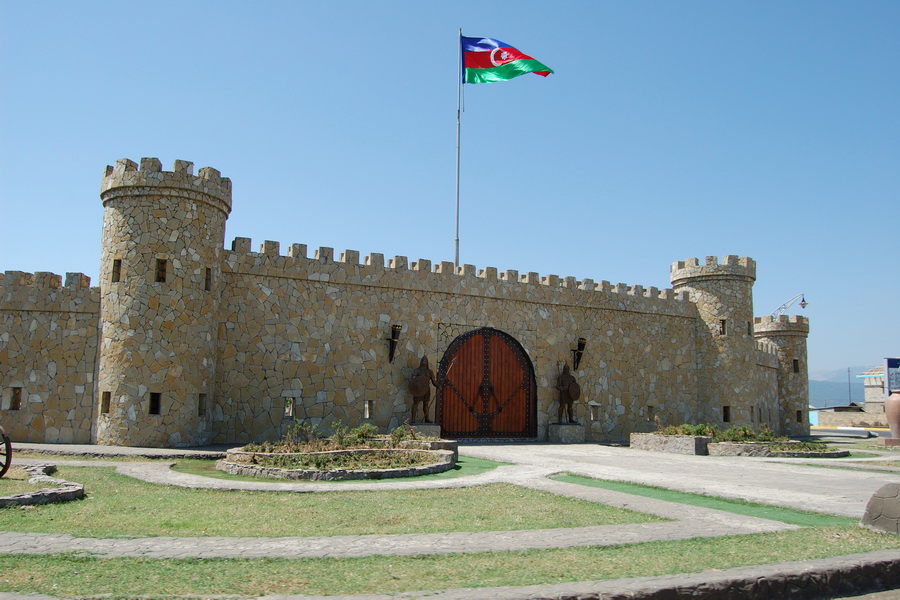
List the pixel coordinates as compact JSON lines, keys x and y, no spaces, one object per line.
{"x":485,"y":60}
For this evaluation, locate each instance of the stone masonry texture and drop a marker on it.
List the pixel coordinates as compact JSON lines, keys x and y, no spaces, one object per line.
{"x":186,"y":342}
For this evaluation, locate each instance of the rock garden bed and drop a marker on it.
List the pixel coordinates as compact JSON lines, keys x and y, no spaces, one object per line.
{"x":706,"y":439}
{"x":777,"y":450}
{"x":345,"y":455}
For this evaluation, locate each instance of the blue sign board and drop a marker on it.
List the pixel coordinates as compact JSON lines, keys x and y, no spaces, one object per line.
{"x":891,"y":375}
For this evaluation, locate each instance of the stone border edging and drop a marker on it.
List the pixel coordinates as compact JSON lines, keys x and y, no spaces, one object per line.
{"x":65,"y":492}
{"x":445,"y":463}
{"x":148,"y":453}
{"x":827,"y":577}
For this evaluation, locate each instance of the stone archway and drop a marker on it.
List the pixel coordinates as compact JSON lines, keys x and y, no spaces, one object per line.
{"x":486,"y":388}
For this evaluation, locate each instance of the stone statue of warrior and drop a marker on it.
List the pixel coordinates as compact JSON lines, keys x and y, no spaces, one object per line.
{"x":569,"y":392}
{"x":420,"y":382}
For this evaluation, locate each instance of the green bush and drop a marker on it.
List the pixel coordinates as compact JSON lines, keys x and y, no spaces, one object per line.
{"x":688,"y":429}
{"x":362,"y":435}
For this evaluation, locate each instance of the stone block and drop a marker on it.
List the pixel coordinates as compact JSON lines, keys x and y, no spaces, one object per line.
{"x":675,"y":444}
{"x":566,"y":433}
{"x":427,"y":429}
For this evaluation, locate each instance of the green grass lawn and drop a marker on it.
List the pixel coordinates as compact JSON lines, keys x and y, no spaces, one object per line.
{"x":741,"y":507}
{"x":16,"y":482}
{"x":117,"y":505}
{"x":69,"y":575}
{"x":122,"y":506}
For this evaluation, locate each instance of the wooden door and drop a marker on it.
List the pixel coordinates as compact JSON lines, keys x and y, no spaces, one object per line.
{"x":486,"y":388}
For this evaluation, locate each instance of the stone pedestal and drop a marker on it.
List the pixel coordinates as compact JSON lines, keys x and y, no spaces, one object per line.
{"x":427,"y":429}
{"x":566,"y":433}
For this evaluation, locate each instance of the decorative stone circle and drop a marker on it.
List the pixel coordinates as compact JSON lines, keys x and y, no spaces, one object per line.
{"x":236,"y":464}
{"x":883,"y":510}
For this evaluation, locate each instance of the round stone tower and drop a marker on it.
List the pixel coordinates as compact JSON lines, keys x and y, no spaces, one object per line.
{"x":160,"y":276}
{"x":788,"y":334}
{"x":723,"y":294}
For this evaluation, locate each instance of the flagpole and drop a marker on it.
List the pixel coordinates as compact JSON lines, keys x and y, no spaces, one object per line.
{"x":458,"y":111}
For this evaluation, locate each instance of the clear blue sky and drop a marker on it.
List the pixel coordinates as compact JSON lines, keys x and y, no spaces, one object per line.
{"x":766,"y":129}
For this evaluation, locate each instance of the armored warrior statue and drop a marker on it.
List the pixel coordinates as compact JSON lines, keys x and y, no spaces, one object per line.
{"x":569,"y":392}
{"x":420,"y":383}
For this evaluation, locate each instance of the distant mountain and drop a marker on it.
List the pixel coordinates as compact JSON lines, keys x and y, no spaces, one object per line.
{"x":839,"y":374}
{"x":835,"y":393}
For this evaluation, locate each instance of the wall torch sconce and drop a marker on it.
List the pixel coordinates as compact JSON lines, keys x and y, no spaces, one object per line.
{"x":393,"y":340}
{"x":578,"y":352}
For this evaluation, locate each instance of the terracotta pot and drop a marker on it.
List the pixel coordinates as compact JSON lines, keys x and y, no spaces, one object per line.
{"x":892,"y":411}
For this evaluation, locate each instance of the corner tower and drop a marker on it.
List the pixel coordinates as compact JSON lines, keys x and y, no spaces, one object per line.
{"x":160,"y":274}
{"x":723,"y":295}
{"x":788,"y":335}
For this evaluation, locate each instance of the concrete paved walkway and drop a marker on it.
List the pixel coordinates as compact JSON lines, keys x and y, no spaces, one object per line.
{"x":772,"y":481}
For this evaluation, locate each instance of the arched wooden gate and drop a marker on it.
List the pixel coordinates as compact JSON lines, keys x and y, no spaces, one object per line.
{"x":486,"y":388}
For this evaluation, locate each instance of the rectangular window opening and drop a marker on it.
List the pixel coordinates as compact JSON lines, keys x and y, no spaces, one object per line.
{"x":155,"y":403}
{"x":105,"y":398}
{"x":161,"y":266}
{"x":289,"y":408}
{"x":726,"y":414}
{"x":201,"y":405}
{"x":207,"y":283}
{"x":722,"y":327}
{"x":749,"y":328}
{"x":796,"y":364}
{"x":116,"y":271}
{"x":369,"y":409}
{"x":651,"y":413}
{"x":799,"y":416}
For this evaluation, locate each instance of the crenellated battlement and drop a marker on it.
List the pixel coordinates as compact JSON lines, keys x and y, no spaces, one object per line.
{"x":43,"y":279}
{"x":43,"y":291}
{"x":125,"y":178}
{"x":186,"y":343}
{"x":766,"y":354}
{"x":781,"y":325}
{"x":422,"y":274}
{"x":730,"y":267}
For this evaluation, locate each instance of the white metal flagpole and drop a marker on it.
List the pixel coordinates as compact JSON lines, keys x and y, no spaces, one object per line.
{"x":459,"y":84}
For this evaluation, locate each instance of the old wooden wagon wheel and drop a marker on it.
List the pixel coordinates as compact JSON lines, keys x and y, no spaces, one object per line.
{"x":5,"y":452}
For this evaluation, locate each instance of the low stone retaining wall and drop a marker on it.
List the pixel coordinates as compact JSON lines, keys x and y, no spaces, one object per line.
{"x":64,"y":491}
{"x":675,"y":444}
{"x":738,"y":449}
{"x":444,"y":461}
{"x":762,"y":449}
{"x":450,"y":445}
{"x":804,"y":454}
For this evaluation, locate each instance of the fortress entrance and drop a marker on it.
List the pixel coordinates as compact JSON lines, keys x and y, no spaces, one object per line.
{"x":486,"y":388}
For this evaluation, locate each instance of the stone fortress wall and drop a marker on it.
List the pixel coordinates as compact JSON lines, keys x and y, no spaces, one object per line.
{"x":234,"y":345}
{"x":48,"y":356}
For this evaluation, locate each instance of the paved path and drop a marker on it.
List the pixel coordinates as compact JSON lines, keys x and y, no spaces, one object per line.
{"x":687,"y":522}
{"x":802,"y":485}
{"x":778,"y":482}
